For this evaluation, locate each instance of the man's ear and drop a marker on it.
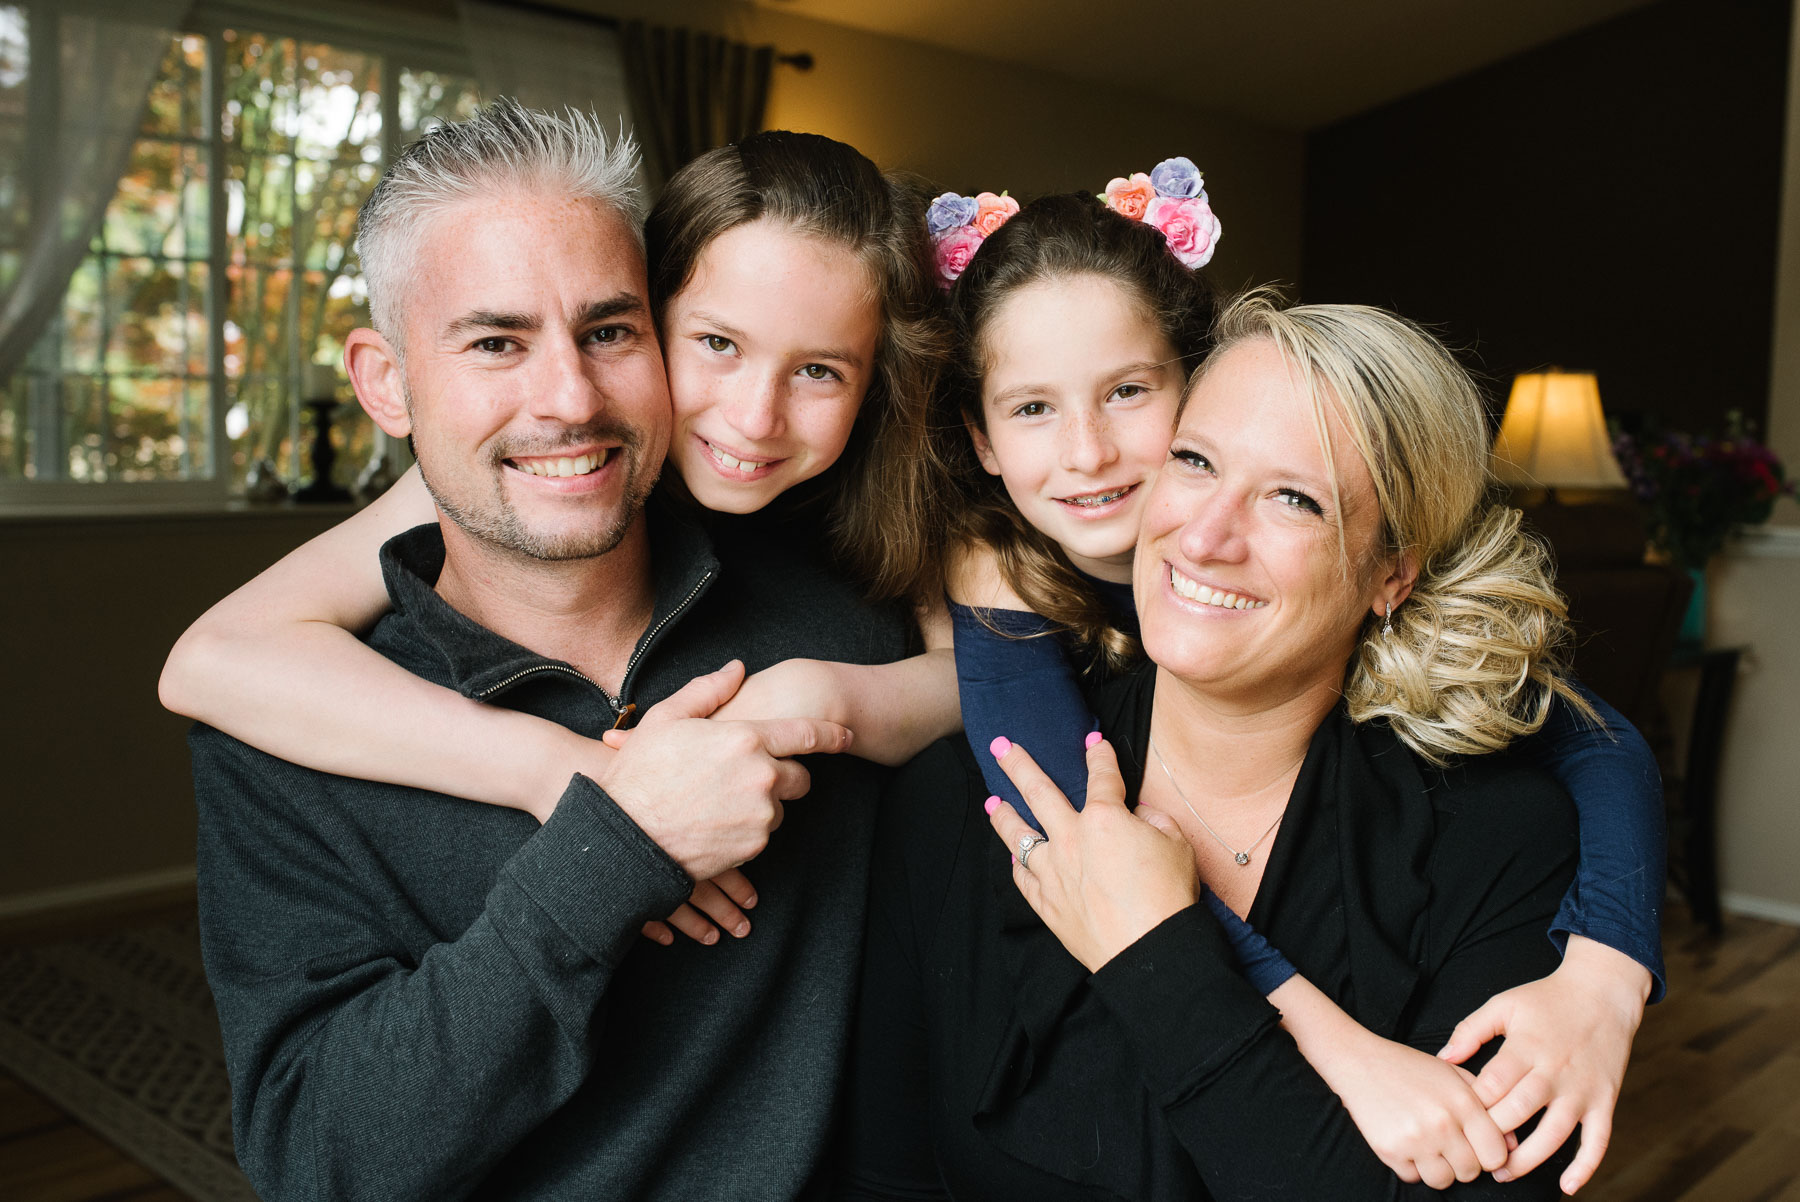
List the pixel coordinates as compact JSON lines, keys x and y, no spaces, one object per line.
{"x":1398,"y":585}
{"x":375,"y":373}
{"x":984,"y":450}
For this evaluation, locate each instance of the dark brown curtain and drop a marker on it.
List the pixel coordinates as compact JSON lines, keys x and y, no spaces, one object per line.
{"x":691,"y":92}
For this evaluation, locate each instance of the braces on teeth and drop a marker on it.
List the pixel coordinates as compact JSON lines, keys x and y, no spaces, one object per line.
{"x":1105,"y":498}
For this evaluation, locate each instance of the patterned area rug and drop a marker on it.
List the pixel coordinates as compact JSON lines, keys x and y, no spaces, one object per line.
{"x":119,"y":1030}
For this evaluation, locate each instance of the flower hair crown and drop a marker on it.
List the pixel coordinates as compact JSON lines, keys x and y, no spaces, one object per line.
{"x":1173,"y":199}
{"x":960,"y":224}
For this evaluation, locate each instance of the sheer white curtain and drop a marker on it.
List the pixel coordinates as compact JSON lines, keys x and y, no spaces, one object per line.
{"x":546,"y":62}
{"x":106,"y":54}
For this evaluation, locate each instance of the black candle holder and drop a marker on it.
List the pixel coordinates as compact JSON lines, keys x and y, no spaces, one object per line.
{"x":321,"y":490}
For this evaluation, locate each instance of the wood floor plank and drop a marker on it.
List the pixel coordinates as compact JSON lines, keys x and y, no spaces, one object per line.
{"x":68,"y":1164}
{"x":1757,"y":1172}
{"x":24,"y":1110}
{"x":1710,"y":1110}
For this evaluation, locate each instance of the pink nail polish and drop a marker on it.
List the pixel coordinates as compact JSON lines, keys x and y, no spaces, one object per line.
{"x":1000,"y":746}
{"x":1094,"y":736}
{"x":990,"y":805}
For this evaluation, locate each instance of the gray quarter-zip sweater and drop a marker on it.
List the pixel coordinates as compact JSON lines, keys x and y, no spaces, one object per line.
{"x":430,"y":998}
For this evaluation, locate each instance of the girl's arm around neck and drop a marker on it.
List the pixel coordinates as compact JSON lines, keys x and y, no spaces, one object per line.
{"x":276,"y":665}
{"x":896,"y":710}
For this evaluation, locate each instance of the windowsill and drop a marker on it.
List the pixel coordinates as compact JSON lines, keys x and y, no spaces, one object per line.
{"x":166,"y":510}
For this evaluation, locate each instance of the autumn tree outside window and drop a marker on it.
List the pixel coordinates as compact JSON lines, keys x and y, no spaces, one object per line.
{"x":223,"y":264}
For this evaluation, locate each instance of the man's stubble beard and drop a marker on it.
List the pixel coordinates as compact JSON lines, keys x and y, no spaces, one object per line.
{"x":505,"y":530}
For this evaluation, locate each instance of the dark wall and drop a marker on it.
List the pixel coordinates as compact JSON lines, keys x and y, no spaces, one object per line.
{"x":1607,"y":202}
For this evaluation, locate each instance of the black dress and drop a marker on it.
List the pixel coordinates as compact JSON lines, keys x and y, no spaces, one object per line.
{"x":989,"y":1064}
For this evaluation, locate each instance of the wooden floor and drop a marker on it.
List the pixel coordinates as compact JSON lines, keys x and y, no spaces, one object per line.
{"x":1711,"y":1111}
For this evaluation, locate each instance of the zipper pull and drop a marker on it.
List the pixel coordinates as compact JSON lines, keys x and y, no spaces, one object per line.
{"x":627,"y":717}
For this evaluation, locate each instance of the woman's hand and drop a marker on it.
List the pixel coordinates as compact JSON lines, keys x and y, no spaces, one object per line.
{"x":1568,"y":1037}
{"x":1419,"y":1115}
{"x":1107,"y":877}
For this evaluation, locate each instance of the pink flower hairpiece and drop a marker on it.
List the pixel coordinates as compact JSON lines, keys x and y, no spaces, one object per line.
{"x":1173,"y":199}
{"x":960,"y":224}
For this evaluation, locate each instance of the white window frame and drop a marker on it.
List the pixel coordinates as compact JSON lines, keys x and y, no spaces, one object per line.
{"x":403,"y":41}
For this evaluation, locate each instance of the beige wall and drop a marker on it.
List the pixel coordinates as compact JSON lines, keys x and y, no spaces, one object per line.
{"x":972,"y":125}
{"x":95,"y":774}
{"x":1754,"y":591}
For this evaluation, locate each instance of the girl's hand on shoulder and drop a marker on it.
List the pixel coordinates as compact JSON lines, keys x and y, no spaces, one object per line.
{"x":1567,"y":1040}
{"x":1419,"y":1114}
{"x":1107,"y":877}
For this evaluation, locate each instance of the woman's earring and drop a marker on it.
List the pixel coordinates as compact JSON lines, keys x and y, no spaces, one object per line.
{"x":1387,"y":623}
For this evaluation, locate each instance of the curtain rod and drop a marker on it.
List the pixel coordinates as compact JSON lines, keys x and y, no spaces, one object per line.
{"x":800,"y":60}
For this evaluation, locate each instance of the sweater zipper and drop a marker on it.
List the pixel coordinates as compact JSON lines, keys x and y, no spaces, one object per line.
{"x":630,"y":665}
{"x":537,"y":668}
{"x":649,"y":640}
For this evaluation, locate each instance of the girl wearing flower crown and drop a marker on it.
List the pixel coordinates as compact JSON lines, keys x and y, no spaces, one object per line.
{"x":1078,"y":326}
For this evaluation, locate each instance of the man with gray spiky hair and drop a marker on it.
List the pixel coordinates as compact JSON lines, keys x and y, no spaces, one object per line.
{"x":424,"y":997}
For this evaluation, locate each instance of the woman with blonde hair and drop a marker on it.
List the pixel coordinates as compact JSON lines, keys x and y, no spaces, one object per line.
{"x":1077,"y":324}
{"x":1056,"y":1015}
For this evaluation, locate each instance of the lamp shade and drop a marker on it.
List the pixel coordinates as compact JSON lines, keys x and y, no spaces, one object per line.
{"x":1554,"y":434}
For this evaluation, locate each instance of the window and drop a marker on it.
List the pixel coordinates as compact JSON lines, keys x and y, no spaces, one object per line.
{"x":174,"y":353}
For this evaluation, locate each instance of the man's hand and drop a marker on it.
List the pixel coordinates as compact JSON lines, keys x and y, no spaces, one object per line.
{"x":1568,"y":1037}
{"x":710,"y":793}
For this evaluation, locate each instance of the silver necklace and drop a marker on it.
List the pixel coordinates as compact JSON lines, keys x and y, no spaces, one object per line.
{"x":1241,"y":857}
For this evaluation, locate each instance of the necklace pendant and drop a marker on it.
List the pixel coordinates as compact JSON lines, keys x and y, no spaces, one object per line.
{"x":1243,"y":858}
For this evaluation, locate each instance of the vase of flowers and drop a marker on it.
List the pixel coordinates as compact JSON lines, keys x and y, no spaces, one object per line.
{"x":1696,"y":490}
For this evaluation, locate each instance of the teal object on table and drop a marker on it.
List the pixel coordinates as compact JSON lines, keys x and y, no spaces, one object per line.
{"x":1693,"y":623}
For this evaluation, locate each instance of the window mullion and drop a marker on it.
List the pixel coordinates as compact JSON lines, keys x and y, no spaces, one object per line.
{"x":218,"y":254}
{"x":296,"y":359}
{"x":48,"y":423}
{"x":393,"y":450}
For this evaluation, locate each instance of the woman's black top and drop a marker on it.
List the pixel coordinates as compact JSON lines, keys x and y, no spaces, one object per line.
{"x":989,"y":1064}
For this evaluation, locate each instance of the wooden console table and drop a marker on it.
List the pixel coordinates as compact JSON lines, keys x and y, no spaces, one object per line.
{"x":1693,"y":793}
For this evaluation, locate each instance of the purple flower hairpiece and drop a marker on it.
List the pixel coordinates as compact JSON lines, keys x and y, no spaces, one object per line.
{"x":960,"y":224}
{"x":1173,"y":199}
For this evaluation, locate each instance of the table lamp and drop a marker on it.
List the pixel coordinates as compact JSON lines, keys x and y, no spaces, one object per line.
{"x":1554,"y":435}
